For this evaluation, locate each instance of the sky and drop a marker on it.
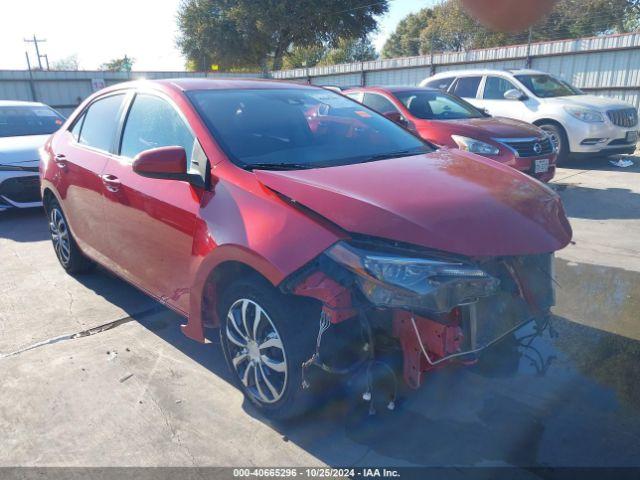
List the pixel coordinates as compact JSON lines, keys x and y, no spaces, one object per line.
{"x":98,"y":31}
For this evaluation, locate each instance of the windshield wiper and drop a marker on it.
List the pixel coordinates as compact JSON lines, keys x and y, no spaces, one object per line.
{"x":278,"y":166}
{"x":386,"y":156}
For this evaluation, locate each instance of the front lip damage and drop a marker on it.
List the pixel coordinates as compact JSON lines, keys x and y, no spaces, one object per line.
{"x":426,"y":339}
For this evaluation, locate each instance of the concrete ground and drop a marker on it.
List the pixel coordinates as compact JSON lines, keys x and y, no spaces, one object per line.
{"x":141,"y":394}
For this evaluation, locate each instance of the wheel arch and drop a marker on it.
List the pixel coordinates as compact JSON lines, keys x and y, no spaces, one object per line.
{"x":219,"y":279}
{"x":224,"y":265}
{"x":47,"y":195}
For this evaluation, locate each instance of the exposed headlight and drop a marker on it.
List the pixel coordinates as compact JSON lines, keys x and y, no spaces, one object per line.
{"x":475,"y":146}
{"x":417,"y":283}
{"x":585,"y":115}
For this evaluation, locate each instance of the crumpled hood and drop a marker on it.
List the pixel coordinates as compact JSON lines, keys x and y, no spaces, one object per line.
{"x":447,"y":200}
{"x":21,"y":151}
{"x":489,"y":127}
{"x":590,"y":101}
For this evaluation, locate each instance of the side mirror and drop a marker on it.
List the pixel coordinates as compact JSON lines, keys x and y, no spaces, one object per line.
{"x":514,"y":94}
{"x":396,"y":117}
{"x":165,"y":163}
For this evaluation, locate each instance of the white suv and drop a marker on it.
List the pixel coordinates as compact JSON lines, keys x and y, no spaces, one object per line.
{"x":579,"y":124}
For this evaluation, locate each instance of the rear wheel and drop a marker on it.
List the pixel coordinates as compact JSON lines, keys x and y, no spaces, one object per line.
{"x":64,"y":245}
{"x":266,"y":336}
{"x":559,"y":139}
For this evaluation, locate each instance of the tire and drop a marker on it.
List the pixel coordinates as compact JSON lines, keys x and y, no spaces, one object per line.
{"x":559,"y":138}
{"x":64,"y":245}
{"x":269,"y":376}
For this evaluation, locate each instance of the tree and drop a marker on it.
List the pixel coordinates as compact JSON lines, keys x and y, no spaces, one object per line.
{"x":350,"y":50}
{"x":66,"y":63}
{"x":448,"y":27}
{"x":123,"y":64}
{"x":405,"y":41}
{"x":246,"y":33}
{"x":300,"y":57}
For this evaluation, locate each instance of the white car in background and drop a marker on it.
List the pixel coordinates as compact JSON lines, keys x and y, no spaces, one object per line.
{"x":24,"y":127}
{"x":580,"y":125}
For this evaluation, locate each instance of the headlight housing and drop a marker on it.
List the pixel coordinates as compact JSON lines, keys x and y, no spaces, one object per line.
{"x":475,"y":146}
{"x":585,"y":114}
{"x":431,"y":284}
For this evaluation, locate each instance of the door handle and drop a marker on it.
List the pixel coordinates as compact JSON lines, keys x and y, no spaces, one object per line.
{"x":61,"y":160}
{"x":111,"y":182}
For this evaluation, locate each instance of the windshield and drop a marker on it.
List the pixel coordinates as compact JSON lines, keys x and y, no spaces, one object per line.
{"x":28,"y":120}
{"x":300,"y":128}
{"x":545,"y":86}
{"x":433,"y":105}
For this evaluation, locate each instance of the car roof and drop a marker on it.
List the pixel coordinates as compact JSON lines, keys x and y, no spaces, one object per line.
{"x":188,"y":84}
{"x":391,"y":89}
{"x":486,"y":71}
{"x":20,"y":103}
{"x":194,"y":84}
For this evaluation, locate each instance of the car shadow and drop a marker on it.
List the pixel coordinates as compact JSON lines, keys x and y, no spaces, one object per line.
{"x":598,"y":204}
{"x":24,"y":225}
{"x":567,"y":396}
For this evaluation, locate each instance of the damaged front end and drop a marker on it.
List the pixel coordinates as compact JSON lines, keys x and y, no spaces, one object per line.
{"x":427,"y":307}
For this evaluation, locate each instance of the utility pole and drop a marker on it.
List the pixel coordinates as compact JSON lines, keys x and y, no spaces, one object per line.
{"x":31,"y":84}
{"x":35,"y":41}
{"x":528,"y":61}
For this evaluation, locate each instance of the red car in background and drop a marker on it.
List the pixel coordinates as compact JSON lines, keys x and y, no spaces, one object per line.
{"x":449,"y":121}
{"x":315,"y":233}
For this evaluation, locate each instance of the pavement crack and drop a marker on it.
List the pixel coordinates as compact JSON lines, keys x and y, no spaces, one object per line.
{"x":81,"y":334}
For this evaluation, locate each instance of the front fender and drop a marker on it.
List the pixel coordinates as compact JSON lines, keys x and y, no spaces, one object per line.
{"x":253,"y":226}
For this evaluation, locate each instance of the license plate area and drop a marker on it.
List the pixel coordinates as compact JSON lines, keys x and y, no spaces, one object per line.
{"x":632,"y":137}
{"x":541,"y":165}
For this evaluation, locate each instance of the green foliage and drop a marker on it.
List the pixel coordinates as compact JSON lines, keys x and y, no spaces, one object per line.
{"x":405,"y":41}
{"x":345,"y":51}
{"x":258,"y":34}
{"x":447,"y":26}
{"x":124,"y":64}
{"x":300,"y":57}
{"x":348,"y":51}
{"x":66,"y":63}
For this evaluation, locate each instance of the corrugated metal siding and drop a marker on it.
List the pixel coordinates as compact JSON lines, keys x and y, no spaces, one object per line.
{"x":66,"y":90}
{"x":346,"y":80}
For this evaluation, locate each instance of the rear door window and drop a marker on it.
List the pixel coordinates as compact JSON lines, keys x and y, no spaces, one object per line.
{"x":101,"y":122}
{"x":440,"y":83}
{"x":379,"y":103}
{"x":152,"y":123}
{"x":466,"y":87}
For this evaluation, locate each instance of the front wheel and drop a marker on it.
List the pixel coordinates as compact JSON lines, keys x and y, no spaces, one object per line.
{"x":266,"y":336}
{"x":559,"y":140}
{"x":64,"y":245}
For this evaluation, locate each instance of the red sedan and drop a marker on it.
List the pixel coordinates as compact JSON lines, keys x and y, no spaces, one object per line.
{"x":317,"y":234}
{"x":449,"y":121}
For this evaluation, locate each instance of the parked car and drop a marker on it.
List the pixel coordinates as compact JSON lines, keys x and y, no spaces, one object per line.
{"x":316,"y":233}
{"x":580,"y":125}
{"x":449,"y":121}
{"x":24,"y":127}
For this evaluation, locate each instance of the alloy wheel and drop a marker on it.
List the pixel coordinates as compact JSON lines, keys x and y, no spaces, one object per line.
{"x":60,"y":236}
{"x":256,"y":351}
{"x":554,"y":139}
